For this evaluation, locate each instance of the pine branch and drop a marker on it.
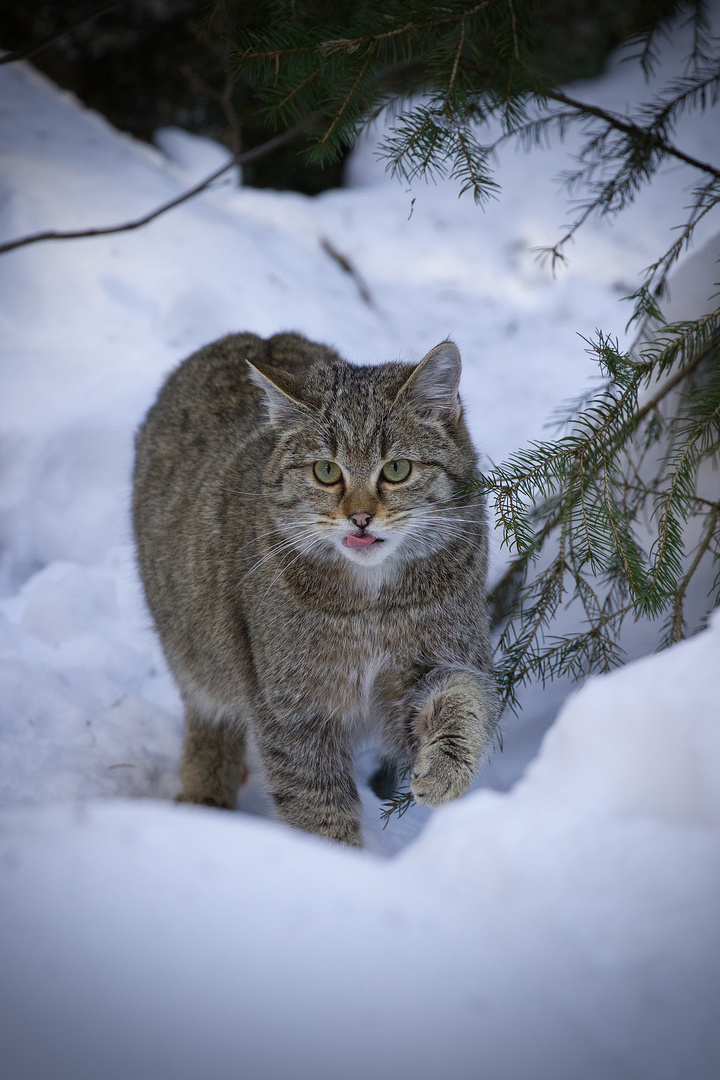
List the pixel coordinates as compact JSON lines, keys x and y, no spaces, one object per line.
{"x":348,"y":97}
{"x":634,"y":131}
{"x":351,"y":44}
{"x":398,"y":804}
{"x":678,"y":624}
{"x":456,"y":61}
{"x":595,"y":501}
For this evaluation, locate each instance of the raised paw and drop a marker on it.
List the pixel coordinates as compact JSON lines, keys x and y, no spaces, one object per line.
{"x":453,"y":725}
{"x":443,"y":770}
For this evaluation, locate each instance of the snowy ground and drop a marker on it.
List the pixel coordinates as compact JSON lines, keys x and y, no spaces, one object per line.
{"x":564,"y":928}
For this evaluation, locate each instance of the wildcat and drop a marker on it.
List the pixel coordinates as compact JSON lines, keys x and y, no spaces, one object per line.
{"x":315,"y":568}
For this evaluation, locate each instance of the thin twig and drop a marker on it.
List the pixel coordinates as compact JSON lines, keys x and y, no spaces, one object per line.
{"x":616,"y":534}
{"x":345,"y":265}
{"x":646,"y":491}
{"x":298,"y":88}
{"x":26,"y":54}
{"x":553,"y":591}
{"x":239,"y":159}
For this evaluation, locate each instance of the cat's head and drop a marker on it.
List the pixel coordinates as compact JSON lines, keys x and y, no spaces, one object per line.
{"x":370,"y":463}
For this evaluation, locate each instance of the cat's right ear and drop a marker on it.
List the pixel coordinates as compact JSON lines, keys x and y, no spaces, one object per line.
{"x":282,"y":405}
{"x":432,"y":388}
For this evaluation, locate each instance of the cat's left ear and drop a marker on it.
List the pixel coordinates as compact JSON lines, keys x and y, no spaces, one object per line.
{"x":283,"y":406}
{"x":433,"y":386}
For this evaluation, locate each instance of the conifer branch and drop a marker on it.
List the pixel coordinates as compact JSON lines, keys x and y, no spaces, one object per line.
{"x":456,"y":61}
{"x":351,"y":44}
{"x":349,"y":96}
{"x":652,"y":137}
{"x":516,"y":47}
{"x":399,"y":804}
{"x":703,"y":546}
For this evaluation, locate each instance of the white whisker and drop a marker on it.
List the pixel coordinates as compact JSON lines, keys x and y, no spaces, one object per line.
{"x":308,"y":547}
{"x":274,"y":549}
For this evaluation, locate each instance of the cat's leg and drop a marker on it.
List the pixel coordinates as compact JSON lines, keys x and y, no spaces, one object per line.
{"x":213,"y":764}
{"x":453,"y":721}
{"x":394,"y":706}
{"x":309,"y":765}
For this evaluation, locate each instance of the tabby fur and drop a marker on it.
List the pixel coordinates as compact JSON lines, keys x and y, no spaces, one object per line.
{"x":269,"y":620}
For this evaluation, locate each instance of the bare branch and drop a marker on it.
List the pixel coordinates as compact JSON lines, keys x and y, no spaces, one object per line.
{"x":238,"y":159}
{"x":347,"y":267}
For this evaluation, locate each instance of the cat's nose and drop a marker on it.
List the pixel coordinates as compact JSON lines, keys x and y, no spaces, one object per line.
{"x":362,"y":520}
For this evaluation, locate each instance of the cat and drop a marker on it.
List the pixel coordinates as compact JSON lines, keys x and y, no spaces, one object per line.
{"x":315,"y":567}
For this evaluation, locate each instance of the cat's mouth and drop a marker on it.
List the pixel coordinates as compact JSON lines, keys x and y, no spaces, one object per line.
{"x":363,"y":541}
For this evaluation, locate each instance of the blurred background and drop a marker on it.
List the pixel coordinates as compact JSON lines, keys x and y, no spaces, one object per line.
{"x":149,"y":64}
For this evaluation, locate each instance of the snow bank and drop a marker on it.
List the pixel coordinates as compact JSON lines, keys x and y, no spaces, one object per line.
{"x":566,"y":929}
{"x":194,"y":156}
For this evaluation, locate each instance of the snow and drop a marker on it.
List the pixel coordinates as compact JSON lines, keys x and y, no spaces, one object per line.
{"x":568,"y":929}
{"x":194,"y":156}
{"x":561,"y":920}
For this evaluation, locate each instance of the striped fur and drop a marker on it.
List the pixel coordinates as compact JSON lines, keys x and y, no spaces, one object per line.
{"x":268,"y":620}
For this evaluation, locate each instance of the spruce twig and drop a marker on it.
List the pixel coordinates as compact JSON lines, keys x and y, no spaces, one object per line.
{"x":398,"y":804}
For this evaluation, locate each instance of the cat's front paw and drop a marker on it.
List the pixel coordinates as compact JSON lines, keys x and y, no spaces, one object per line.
{"x":441,"y":772}
{"x":454,"y":726}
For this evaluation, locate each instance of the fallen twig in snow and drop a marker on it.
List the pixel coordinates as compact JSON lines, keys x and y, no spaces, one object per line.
{"x":348,"y":267}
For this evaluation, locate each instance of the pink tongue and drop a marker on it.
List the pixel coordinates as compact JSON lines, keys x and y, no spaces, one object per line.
{"x":358,"y":541}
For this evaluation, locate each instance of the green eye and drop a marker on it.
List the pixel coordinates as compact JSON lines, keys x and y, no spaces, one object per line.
{"x":327,"y":472}
{"x":395,"y":471}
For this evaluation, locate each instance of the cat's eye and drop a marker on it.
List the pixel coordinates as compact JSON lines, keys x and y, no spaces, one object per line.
{"x":327,"y":472}
{"x":395,"y":471}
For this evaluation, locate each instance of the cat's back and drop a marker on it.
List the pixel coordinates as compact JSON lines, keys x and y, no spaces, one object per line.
{"x":199,"y":455}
